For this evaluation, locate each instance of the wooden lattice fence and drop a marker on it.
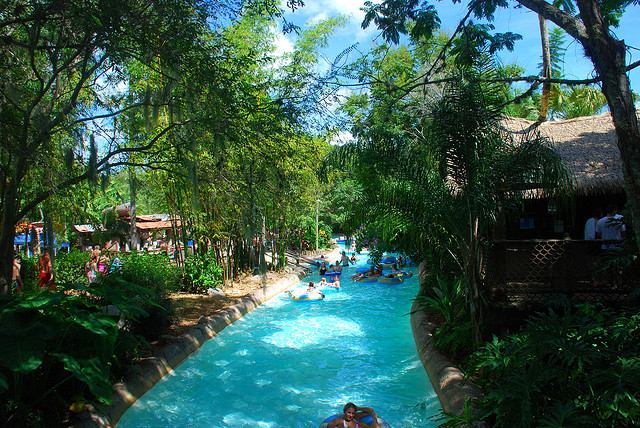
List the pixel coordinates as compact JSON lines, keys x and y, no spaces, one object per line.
{"x":537,"y":270}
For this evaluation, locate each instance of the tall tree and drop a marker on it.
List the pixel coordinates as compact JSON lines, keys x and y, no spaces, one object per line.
{"x":437,"y":169}
{"x":590,"y":26}
{"x":62,"y":69}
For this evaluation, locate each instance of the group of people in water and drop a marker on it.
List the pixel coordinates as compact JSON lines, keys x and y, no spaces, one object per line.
{"x":337,"y":267}
{"x":376,"y":272}
{"x":373,"y":272}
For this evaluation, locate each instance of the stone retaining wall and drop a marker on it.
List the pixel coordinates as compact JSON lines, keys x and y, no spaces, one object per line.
{"x":447,"y":380}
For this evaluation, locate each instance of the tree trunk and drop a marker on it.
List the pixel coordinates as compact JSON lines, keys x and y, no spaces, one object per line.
{"x":7,"y":235}
{"x":546,"y":69}
{"x":609,"y":59}
{"x":133,"y":231}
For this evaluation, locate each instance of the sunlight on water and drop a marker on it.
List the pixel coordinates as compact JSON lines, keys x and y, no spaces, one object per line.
{"x":292,"y":364}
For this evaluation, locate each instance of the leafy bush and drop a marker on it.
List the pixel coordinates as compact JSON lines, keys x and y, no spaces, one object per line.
{"x":324,"y":236}
{"x":578,"y":368}
{"x":69,"y":267}
{"x":60,"y":349}
{"x":29,"y":275}
{"x":148,"y":279}
{"x":201,"y":272}
{"x":153,"y":271}
{"x":454,"y":336}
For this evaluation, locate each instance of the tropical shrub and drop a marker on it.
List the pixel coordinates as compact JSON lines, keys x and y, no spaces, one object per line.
{"x":58,"y":350}
{"x":448,"y":298}
{"x":201,"y":272}
{"x":147,"y":279}
{"x":153,"y":271}
{"x":69,"y":267}
{"x":576,"y":368}
{"x":324,"y":236}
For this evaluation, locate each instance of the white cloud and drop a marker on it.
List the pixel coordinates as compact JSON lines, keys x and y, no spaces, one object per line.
{"x":282,"y":43}
{"x":335,"y":7}
{"x":342,"y":138}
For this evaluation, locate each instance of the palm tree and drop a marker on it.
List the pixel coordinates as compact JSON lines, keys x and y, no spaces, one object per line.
{"x":436,"y":182}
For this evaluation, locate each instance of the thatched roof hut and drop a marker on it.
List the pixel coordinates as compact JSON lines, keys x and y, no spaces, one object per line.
{"x":587,"y":145}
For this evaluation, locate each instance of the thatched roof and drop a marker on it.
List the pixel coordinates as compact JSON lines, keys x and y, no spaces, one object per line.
{"x":587,"y":145}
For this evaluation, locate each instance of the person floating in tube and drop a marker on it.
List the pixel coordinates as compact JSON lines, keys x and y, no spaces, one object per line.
{"x":352,"y":415}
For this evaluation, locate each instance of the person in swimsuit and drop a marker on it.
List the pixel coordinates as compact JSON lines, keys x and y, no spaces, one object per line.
{"x":323,"y":269}
{"x":344,"y":259}
{"x":337,"y":267}
{"x":335,"y":281}
{"x":352,"y":415}
{"x":16,"y":278}
{"x":363,"y":275}
{"x":311,"y":286}
{"x":45,"y":269}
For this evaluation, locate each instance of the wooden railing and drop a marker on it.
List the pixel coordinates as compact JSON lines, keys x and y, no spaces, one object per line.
{"x":536,"y":270}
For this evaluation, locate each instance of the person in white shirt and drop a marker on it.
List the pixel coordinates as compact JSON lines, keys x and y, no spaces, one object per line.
{"x":590,"y":225}
{"x":610,"y":227}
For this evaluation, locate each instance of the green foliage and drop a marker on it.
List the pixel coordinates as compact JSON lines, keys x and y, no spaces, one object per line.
{"x":29,"y":274}
{"x":451,"y":420}
{"x":568,"y":102}
{"x":69,"y":267}
{"x":436,"y":170}
{"x":152,"y":271}
{"x":576,"y":368}
{"x":57,"y":346}
{"x":448,"y":298}
{"x":146,"y":279}
{"x":201,"y":272}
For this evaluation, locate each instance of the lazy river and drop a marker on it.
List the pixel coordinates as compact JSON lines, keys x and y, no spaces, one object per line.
{"x":292,"y":364}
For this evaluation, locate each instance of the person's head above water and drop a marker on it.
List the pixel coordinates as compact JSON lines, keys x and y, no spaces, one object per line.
{"x":349,"y":410}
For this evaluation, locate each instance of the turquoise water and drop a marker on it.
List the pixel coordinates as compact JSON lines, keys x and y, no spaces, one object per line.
{"x":292,"y":364}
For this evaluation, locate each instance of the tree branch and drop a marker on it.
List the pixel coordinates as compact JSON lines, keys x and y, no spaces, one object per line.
{"x":568,"y":23}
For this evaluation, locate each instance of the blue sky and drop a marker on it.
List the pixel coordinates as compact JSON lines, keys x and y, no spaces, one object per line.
{"x":522,"y":21}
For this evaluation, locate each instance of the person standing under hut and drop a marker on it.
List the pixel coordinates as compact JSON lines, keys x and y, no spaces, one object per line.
{"x":45,"y":269}
{"x":610,"y":227}
{"x":352,"y":415}
{"x":590,"y":224}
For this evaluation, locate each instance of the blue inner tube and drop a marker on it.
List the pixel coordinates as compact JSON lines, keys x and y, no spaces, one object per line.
{"x":365,"y":421}
{"x":368,"y":279}
{"x":303,"y":295}
{"x":394,"y":280}
{"x":333,"y":274}
{"x":390,"y":260}
{"x":361,"y":269}
{"x":327,"y":288}
{"x":404,"y":273}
